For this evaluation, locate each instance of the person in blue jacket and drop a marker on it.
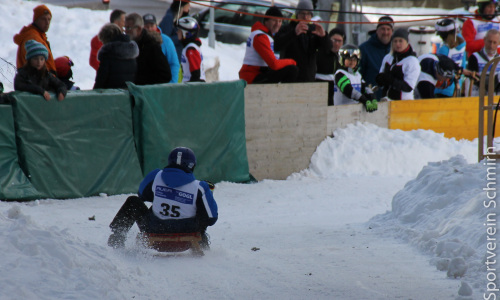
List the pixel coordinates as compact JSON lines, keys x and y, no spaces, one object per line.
{"x":180,"y":203}
{"x":374,"y":50}
{"x":454,"y":47}
{"x":168,"y":23}
{"x":167,"y":46}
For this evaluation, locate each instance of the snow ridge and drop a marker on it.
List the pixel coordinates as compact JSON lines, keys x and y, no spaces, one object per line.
{"x":443,"y":212}
{"x":364,"y":149}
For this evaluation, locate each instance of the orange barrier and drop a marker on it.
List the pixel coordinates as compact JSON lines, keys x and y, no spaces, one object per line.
{"x":455,"y":117}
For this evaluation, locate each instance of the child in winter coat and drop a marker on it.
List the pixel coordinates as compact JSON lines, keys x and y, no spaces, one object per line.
{"x":191,"y":58}
{"x":34,"y":77}
{"x":349,"y":86}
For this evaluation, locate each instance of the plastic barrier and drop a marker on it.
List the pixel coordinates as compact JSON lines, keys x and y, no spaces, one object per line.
{"x":454,"y":117}
{"x":13,"y":183}
{"x":208,"y":118}
{"x":78,"y":147}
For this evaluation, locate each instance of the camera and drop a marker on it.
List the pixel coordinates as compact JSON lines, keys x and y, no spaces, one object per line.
{"x":311,"y":28}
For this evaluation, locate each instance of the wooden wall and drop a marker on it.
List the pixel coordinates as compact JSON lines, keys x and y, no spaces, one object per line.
{"x":284,"y":125}
{"x":340,"y":116}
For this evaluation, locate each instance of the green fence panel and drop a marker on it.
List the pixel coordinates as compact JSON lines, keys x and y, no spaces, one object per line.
{"x":14,"y":185}
{"x":79,"y":147}
{"x":206,"y":117}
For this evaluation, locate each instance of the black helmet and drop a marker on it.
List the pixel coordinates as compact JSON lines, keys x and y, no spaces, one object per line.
{"x":482,"y":4}
{"x":445,"y":66}
{"x":182,"y":158}
{"x":348,"y":51}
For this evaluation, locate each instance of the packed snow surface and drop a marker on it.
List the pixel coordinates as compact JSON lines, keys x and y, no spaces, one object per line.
{"x":324,"y":233}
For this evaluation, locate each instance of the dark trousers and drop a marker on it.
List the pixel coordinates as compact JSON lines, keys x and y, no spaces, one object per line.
{"x":135,"y":211}
{"x":286,"y":75}
{"x":132,"y":211}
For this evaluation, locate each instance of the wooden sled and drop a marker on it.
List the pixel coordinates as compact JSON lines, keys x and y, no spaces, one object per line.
{"x":172,"y":242}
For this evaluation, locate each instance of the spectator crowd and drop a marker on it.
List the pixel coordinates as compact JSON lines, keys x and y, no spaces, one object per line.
{"x":385,"y":67}
{"x":134,"y":48}
{"x":130,"y":48}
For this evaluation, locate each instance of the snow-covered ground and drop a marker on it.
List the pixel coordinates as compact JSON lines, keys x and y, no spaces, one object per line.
{"x":379,"y":214}
{"x":338,"y":230}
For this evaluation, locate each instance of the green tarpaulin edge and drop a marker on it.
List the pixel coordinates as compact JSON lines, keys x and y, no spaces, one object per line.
{"x":14,"y":185}
{"x":206,"y":117}
{"x":79,"y":147}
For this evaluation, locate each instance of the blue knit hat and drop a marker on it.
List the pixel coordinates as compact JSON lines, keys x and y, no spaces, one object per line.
{"x":34,"y":48}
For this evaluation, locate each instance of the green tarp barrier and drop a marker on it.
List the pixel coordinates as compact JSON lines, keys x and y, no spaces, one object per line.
{"x":79,"y":147}
{"x":206,"y":117}
{"x":13,"y":183}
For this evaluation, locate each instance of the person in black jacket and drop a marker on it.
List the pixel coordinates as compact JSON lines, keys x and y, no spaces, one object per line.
{"x":152,"y":65}
{"x":34,"y":76}
{"x":327,"y":60}
{"x":117,"y":59}
{"x":300,"y":41}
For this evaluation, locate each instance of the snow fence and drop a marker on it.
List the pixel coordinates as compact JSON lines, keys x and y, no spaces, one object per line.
{"x":96,"y":142}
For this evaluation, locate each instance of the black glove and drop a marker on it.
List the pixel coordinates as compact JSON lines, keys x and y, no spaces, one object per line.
{"x":384,"y":79}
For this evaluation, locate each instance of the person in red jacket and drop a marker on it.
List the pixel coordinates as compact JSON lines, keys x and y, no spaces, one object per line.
{"x":118,"y":17}
{"x":475,"y":29}
{"x":260,"y":64}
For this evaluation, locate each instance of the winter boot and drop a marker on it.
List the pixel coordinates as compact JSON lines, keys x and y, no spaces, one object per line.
{"x":117,"y":240}
{"x":205,"y":241}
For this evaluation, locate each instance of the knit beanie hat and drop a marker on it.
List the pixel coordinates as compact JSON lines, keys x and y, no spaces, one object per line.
{"x":304,"y":5}
{"x":274,"y":12}
{"x":39,"y":11}
{"x":385,"y":20}
{"x":34,"y":48}
{"x":400,"y":33}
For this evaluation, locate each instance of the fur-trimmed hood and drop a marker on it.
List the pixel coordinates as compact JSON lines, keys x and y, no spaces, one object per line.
{"x":156,"y":35}
{"x":119,"y":49}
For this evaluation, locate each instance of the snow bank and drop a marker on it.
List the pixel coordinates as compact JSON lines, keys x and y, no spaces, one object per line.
{"x":53,"y":262}
{"x":367,"y":150}
{"x":449,"y":211}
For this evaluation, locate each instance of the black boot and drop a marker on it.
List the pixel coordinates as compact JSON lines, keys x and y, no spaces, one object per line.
{"x":205,"y":241}
{"x":117,"y":240}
